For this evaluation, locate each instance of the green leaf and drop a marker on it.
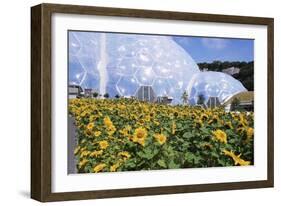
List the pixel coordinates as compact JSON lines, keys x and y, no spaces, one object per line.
{"x":215,"y":154}
{"x":204,"y":130}
{"x":173,"y":165}
{"x":141,"y":163}
{"x":185,"y":145}
{"x":187,"y":135}
{"x":231,"y":141}
{"x":179,"y":125}
{"x":88,"y":168}
{"x":147,"y":153}
{"x":191,"y":158}
{"x":161,"y":163}
{"x":90,"y":147}
{"x":130,"y":164}
{"x":221,"y":162}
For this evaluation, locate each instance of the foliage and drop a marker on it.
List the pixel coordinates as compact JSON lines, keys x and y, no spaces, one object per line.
{"x":246,"y":76}
{"x":184,"y":97}
{"x":235,"y":104}
{"x":201,"y":99}
{"x":106,"y":95}
{"x":129,"y":135}
{"x":95,"y":94}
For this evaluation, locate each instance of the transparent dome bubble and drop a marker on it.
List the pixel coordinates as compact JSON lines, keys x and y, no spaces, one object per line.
{"x":125,"y":62}
{"x":213,"y":84}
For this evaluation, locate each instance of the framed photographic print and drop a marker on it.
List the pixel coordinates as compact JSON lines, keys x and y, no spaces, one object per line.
{"x":132,"y":102}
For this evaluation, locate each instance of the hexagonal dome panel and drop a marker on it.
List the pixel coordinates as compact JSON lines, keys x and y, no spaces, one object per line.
{"x":144,"y":58}
{"x":161,"y":69}
{"x":213,"y":84}
{"x":75,"y":70}
{"x":161,"y":86}
{"x":127,"y":66}
{"x":145,"y":76}
{"x":74,"y":45}
{"x":127,"y":86}
{"x":90,"y":81}
{"x":111,"y":87}
{"x":176,"y":94}
{"x":125,"y":51}
{"x":89,"y":64}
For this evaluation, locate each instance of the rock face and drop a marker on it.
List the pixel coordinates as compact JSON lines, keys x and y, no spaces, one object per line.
{"x":213,"y":84}
{"x":122,"y":63}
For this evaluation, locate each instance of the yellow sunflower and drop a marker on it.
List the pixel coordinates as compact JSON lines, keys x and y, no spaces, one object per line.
{"x":214,"y":120}
{"x":85,"y":153}
{"x":124,"y":154}
{"x":97,"y":133}
{"x":161,"y":138}
{"x":140,"y":135}
{"x":198,"y":123}
{"x":82,"y":163}
{"x":204,"y":117}
{"x":96,"y":153}
{"x":220,"y":136}
{"x":237,"y":160}
{"x":125,"y":131}
{"x":114,"y":167}
{"x":99,"y":167}
{"x":103,"y":144}
{"x":107,"y":122}
{"x":228,"y":125}
{"x":111,"y":130}
{"x":250,"y":132}
{"x":90,"y":126}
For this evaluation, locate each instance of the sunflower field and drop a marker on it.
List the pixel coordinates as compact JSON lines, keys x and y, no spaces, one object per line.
{"x":129,"y":135}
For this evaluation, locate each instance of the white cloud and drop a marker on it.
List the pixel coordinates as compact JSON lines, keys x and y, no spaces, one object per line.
{"x":214,"y":43}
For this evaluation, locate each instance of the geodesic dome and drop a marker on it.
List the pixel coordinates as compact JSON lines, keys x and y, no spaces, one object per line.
{"x":213,"y":84}
{"x":121,"y":63}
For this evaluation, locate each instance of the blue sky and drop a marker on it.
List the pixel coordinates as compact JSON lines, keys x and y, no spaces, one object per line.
{"x":209,"y":49}
{"x":203,"y":49}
